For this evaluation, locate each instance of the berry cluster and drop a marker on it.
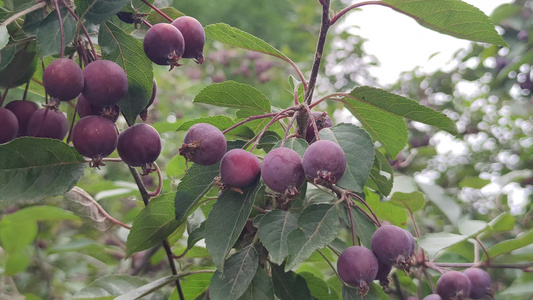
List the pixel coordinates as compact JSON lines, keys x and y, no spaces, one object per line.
{"x":472,"y":283}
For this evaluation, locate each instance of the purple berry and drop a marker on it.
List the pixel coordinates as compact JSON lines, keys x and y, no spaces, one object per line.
{"x":204,"y":144}
{"x":324,"y":161}
{"x":95,"y":137}
{"x":87,"y":109}
{"x":357,"y":266}
{"x":164,"y":44}
{"x":453,"y":285}
{"x":139,"y":146}
{"x":63,"y":79}
{"x":105,"y":83}
{"x":9,"y":125}
{"x":282,"y":171}
{"x":391,"y":245}
{"x":321,"y":120}
{"x":239,"y":168}
{"x":23,"y":109}
{"x":383,"y":273}
{"x":432,"y":297}
{"x":144,"y":112}
{"x":479,"y":282}
{"x":48,"y":123}
{"x":194,"y":37}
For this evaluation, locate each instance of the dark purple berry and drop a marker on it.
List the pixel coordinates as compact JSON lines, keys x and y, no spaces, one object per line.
{"x":453,"y":285}
{"x":194,"y":37}
{"x":239,"y":168}
{"x":95,"y":137}
{"x":126,"y":17}
{"x":432,"y":297}
{"x":391,"y":245}
{"x":144,"y":112}
{"x":357,"y":266}
{"x":204,"y":144}
{"x":282,"y":171}
{"x":48,"y":123}
{"x":383,"y":273}
{"x":321,"y":120}
{"x":479,"y":282}
{"x":105,"y":83}
{"x":324,"y":161}
{"x":164,"y":44}
{"x":9,"y":125}
{"x":23,"y":109}
{"x":63,"y":79}
{"x":87,"y":109}
{"x":139,"y":146}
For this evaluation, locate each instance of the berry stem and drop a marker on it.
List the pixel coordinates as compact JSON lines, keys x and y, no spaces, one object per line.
{"x":69,"y":136}
{"x":26,"y":90}
{"x":3,"y":97}
{"x":352,"y":227}
{"x":399,"y":292}
{"x":291,"y":122}
{"x":484,"y":249}
{"x":329,"y":263}
{"x":378,"y":223}
{"x":158,"y":11}
{"x":251,"y":118}
{"x":160,"y":183}
{"x":80,"y":24}
{"x":147,"y":23}
{"x":61,"y":31}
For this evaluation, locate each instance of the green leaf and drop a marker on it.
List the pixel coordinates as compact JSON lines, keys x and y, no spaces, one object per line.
{"x":317,"y":227}
{"x":239,"y":270}
{"x":221,"y":122}
{"x":196,"y":235}
{"x":273,"y":230}
{"x":83,"y":205}
{"x":39,"y":213}
{"x":386,"y":210}
{"x":21,"y":63}
{"x":504,"y":11}
{"x":471,"y":228}
{"x":435,"y":242}
{"x":504,"y":222}
{"x":319,"y":288}
{"x":522,"y":240}
{"x":128,"y":52}
{"x":115,"y":285}
{"x":474,"y":182}
{"x":48,"y":35}
{"x":193,"y":186}
{"x":446,"y":204}
{"x":359,"y":150}
{"x":32,"y":169}
{"x":148,"y":288}
{"x":381,"y":177}
{"x":364,"y":227}
{"x":4,"y":36}
{"x":289,"y":285}
{"x":155,"y":17}
{"x":153,"y":224}
{"x":98,"y":11}
{"x":16,"y":236}
{"x":16,"y":263}
{"x":374,"y":293}
{"x":452,"y":17}
{"x":195,"y":285}
{"x":226,"y":220}
{"x":261,"y":287}
{"x":405,"y":194}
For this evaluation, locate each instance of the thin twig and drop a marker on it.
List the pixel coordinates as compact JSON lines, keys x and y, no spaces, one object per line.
{"x":160,"y":182}
{"x":158,"y":11}
{"x":336,"y":17}
{"x":484,"y":249}
{"x":61,"y":31}
{"x":22,"y":13}
{"x":329,"y":263}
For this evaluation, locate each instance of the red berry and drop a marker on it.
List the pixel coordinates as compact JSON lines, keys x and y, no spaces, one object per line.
{"x":194,"y":37}
{"x":479,"y":282}
{"x":453,"y":285}
{"x":239,"y":168}
{"x":204,"y":144}
{"x":139,"y":146}
{"x":357,"y":266}
{"x":95,"y":137}
{"x":324,"y":161}
{"x":282,"y":171}
{"x":63,"y":79}
{"x":105,"y":83}
{"x":391,"y":245}
{"x":164,"y":44}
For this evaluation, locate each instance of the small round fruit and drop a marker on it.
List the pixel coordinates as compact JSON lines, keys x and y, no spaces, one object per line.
{"x":105,"y":83}
{"x":282,"y":171}
{"x":9,"y":125}
{"x":95,"y":137}
{"x":321,"y":120}
{"x":432,"y":297}
{"x":194,"y":37}
{"x":324,"y":160}
{"x":383,"y":273}
{"x":391,"y":245}
{"x":164,"y":44}
{"x":239,"y":168}
{"x":87,"y":109}
{"x":23,"y":109}
{"x":479,"y":282}
{"x":63,"y":79}
{"x":139,"y":146}
{"x":48,"y":123}
{"x":204,"y":144}
{"x":453,"y":285}
{"x":357,"y":266}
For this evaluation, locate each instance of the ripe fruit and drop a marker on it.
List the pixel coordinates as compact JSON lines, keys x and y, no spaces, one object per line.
{"x":87,"y":109}
{"x":22,"y":109}
{"x":164,"y":44}
{"x":48,"y":123}
{"x":9,"y":125}
{"x":203,"y":144}
{"x":391,"y":245}
{"x":239,"y":168}
{"x":432,"y":297}
{"x":139,"y":146}
{"x":453,"y":285}
{"x":63,"y":79}
{"x":194,"y":37}
{"x":321,"y":120}
{"x":357,"y":266}
{"x":383,"y":273}
{"x":282,"y":171}
{"x":105,"y":83}
{"x":95,"y":137}
{"x":479,"y":282}
{"x":324,"y":161}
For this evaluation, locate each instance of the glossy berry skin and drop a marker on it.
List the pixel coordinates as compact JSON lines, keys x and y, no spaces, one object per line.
{"x":324,"y":160}
{"x":322,"y":121}
{"x":453,"y":285}
{"x":391,"y":244}
{"x":63,"y":79}
{"x":204,"y":144}
{"x":139,"y":145}
{"x":432,"y":297}
{"x":357,"y":266}
{"x":87,"y":109}
{"x":23,"y":109}
{"x":282,"y":170}
{"x":48,"y":123}
{"x":479,"y":282}
{"x":193,"y":35}
{"x":94,"y":137}
{"x":164,"y":44}
{"x":239,"y":168}
{"x":105,"y":83}
{"x":9,"y":125}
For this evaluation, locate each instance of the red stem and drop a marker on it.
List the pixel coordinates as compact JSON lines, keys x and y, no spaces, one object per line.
{"x":158,"y":11}
{"x":85,"y":32}
{"x":60,"y":28}
{"x":160,"y":183}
